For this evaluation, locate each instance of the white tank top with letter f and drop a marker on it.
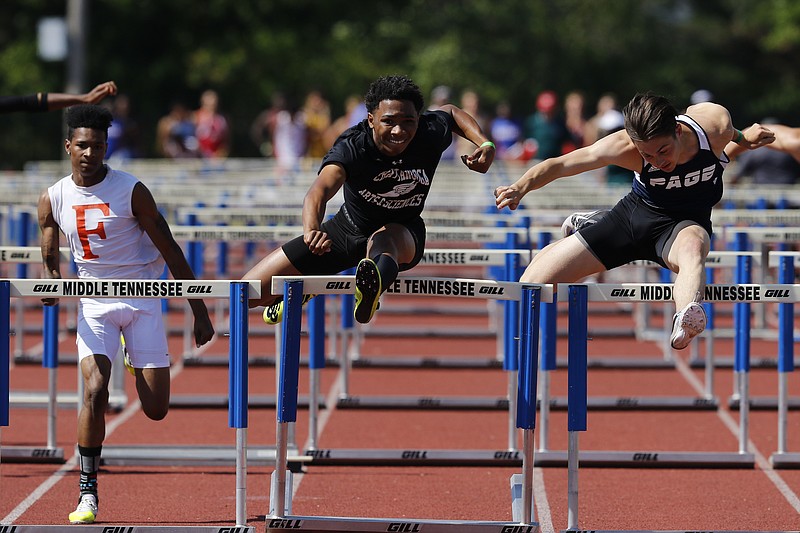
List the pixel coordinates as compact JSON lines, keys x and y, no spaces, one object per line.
{"x":104,"y":236}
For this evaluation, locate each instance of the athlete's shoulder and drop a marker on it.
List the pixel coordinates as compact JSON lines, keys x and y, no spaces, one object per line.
{"x":121,"y":175}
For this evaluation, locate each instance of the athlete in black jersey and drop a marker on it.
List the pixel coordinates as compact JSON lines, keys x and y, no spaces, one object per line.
{"x":678,"y":163}
{"x":52,"y":101}
{"x":386,"y":165}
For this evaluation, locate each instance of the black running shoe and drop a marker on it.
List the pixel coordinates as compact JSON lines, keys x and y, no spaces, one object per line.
{"x":368,"y":290}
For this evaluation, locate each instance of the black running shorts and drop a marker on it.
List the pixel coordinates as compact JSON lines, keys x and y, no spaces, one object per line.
{"x":349,"y":246}
{"x":634,"y":230}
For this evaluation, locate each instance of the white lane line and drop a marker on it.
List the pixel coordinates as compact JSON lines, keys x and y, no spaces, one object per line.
{"x":50,"y":482}
{"x":322,"y":419}
{"x":762,"y":463}
{"x":542,"y":505}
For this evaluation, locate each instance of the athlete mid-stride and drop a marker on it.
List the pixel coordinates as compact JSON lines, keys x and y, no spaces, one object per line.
{"x":115,"y":231}
{"x":677,"y":162}
{"x":385,"y":164}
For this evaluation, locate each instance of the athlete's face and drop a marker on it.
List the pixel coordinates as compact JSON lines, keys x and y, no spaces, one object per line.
{"x":394,"y":124}
{"x":86,"y":150}
{"x":661,"y":152}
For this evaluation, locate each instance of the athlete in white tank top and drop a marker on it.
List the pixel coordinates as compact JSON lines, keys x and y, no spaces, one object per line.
{"x":114,"y":230}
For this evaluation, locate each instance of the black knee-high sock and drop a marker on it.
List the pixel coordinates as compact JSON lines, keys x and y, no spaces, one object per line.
{"x":388,"y":269}
{"x":90,"y":463}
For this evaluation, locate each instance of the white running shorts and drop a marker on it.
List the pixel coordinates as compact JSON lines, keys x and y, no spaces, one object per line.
{"x":100,"y":322}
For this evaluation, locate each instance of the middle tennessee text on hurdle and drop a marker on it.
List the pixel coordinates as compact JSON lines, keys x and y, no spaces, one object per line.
{"x":420,"y":286}
{"x":127,"y":288}
{"x":661,"y":292}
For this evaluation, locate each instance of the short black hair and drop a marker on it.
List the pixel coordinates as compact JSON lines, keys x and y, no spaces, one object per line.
{"x":393,"y":88}
{"x":90,"y":116}
{"x":648,"y":116}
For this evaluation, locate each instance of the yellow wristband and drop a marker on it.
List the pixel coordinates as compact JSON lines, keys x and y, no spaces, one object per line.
{"x":489,"y":143}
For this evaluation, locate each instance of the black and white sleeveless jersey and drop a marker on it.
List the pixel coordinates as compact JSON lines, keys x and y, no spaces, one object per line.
{"x":380,"y":189}
{"x":692,"y":186}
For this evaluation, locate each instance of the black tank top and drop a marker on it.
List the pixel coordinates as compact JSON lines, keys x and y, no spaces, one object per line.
{"x":692,"y":186}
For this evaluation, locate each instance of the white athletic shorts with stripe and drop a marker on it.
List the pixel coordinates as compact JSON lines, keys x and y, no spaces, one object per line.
{"x":100,"y":322}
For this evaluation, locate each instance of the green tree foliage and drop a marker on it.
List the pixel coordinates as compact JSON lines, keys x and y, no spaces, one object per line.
{"x":159,"y":52}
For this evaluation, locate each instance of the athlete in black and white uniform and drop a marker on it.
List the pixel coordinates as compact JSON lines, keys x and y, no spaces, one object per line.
{"x":386,"y":165}
{"x":678,"y":163}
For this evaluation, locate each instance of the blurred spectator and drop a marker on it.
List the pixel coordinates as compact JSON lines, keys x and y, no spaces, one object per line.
{"x":262,"y":130}
{"x":471,"y":103}
{"x":317,"y":114}
{"x":591,"y":130}
{"x":701,"y":95}
{"x":211,"y":127}
{"x":440,"y":96}
{"x":610,"y":122}
{"x":767,"y":166}
{"x":175,"y":134}
{"x":123,"y":134}
{"x":546,"y":126}
{"x":290,"y":137}
{"x":504,"y":131}
{"x":575,"y":120}
{"x":354,"y":112}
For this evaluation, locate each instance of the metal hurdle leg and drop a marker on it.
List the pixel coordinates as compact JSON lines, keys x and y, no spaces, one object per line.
{"x":785,"y":366}
{"x":526,"y":399}
{"x":238,"y":391}
{"x":577,"y":374}
{"x":288,"y":372}
{"x":5,"y":360}
{"x":316,"y":313}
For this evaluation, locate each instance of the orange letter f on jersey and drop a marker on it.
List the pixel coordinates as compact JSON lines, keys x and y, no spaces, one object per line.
{"x":83,"y":232}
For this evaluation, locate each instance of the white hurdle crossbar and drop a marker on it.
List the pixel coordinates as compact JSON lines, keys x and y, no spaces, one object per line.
{"x":293,"y":289}
{"x":238,"y":292}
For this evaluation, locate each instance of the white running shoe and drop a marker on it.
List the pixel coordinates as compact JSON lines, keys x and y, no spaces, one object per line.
{"x":687,"y":324}
{"x":580,"y":220}
{"x":86,"y":512}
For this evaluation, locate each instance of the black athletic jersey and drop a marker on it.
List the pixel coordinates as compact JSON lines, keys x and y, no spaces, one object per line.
{"x":380,"y":189}
{"x":694,"y":185}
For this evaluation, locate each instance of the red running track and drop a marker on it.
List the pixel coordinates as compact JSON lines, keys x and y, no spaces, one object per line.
{"x":757,"y":499}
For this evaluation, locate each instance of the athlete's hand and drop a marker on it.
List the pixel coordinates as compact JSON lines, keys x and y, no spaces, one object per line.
{"x":317,"y":241}
{"x":507,"y":196}
{"x":758,"y":135}
{"x":480,"y":160}
{"x":96,"y":95}
{"x":203,"y":329}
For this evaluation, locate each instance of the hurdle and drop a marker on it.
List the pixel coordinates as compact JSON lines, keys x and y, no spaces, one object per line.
{"x":405,"y":285}
{"x":280,"y":515}
{"x":238,"y":293}
{"x":578,"y":295}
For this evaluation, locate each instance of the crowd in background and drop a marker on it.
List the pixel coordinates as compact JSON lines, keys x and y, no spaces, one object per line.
{"x":291,"y":130}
